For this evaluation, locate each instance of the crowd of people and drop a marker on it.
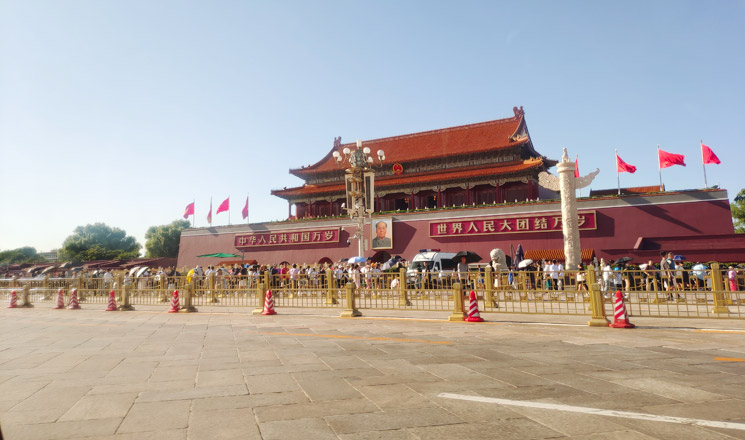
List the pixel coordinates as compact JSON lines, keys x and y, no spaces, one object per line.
{"x":668,"y":275}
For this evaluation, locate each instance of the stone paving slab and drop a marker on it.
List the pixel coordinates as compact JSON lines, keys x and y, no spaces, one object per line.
{"x":308,"y":374}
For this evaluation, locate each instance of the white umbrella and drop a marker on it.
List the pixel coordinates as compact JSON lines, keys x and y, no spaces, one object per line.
{"x":133,"y":271}
{"x":142,"y":271}
{"x":525,"y":263}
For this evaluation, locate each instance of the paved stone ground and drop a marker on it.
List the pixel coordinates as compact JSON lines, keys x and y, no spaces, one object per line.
{"x":307,"y":374}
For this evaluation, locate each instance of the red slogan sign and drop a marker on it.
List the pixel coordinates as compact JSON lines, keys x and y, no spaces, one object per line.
{"x":508,"y":225}
{"x":330,"y":235}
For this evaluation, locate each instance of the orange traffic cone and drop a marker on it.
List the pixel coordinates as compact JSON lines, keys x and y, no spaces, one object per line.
{"x":473,"y":309}
{"x":175,"y":307}
{"x":112,"y":302}
{"x":620,"y":317}
{"x":60,"y":300}
{"x":74,"y":305}
{"x":269,"y":304}
{"x":13,"y":300}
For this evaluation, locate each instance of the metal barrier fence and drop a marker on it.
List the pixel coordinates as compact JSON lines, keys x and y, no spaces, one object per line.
{"x":653,"y":293}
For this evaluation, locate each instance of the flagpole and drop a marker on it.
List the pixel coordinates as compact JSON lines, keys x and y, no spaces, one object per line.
{"x":659,"y":165}
{"x":248,"y":211}
{"x":703,"y":164}
{"x":618,"y":175}
{"x":194,"y":215}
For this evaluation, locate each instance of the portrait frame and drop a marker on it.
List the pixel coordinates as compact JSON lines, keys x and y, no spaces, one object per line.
{"x":387,"y":240}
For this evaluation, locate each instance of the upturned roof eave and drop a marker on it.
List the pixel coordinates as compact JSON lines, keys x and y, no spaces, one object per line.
{"x":512,"y":141}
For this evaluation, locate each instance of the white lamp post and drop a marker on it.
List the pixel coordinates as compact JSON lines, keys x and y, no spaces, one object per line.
{"x":360,"y":186}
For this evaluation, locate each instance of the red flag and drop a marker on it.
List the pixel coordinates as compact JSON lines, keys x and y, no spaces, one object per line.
{"x":576,"y":167}
{"x":245,"y":210}
{"x":670,"y":159}
{"x":224,"y":206}
{"x":209,"y":216}
{"x":189,"y":210}
{"x":623,"y":167}
{"x":708,"y":155}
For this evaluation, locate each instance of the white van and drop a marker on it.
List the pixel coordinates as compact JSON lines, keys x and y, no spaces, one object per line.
{"x":438,"y":267}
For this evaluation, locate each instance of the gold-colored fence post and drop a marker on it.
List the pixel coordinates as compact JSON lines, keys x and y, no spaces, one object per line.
{"x":124,"y":293}
{"x":331,"y":287}
{"x":163,"y":288}
{"x":211,"y":287}
{"x":350,"y":311}
{"x":403,"y":289}
{"x":26,"y":292}
{"x":458,"y":313}
{"x":188,"y":306}
{"x":260,"y":298}
{"x":596,"y":302}
{"x":79,"y":286}
{"x":45,"y":285}
{"x":489,"y":285}
{"x":720,"y":301}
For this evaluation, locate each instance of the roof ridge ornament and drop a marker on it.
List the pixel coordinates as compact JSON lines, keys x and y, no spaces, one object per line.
{"x":518,"y":111}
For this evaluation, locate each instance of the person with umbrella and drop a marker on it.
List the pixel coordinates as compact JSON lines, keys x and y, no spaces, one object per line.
{"x":463,"y":258}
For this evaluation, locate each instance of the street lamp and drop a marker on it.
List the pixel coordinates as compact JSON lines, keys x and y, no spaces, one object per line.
{"x":360,"y":186}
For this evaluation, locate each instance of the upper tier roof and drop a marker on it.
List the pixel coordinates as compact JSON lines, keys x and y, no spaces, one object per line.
{"x":463,"y":139}
{"x":492,"y":170}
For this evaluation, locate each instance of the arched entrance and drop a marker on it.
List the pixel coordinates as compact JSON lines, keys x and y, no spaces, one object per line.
{"x":380,"y":257}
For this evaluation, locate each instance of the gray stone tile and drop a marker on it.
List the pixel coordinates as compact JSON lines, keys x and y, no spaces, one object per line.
{"x":518,"y":429}
{"x":670,"y":390}
{"x":329,"y":389}
{"x":128,"y":385}
{"x":100,"y":407}
{"x":394,"y":396}
{"x":61,"y":430}
{"x":236,"y":423}
{"x":314,"y":410}
{"x":222,"y":377}
{"x":156,"y":416}
{"x":271,"y":383}
{"x":394,"y":434}
{"x":52,"y":398}
{"x":390,"y":420}
{"x":171,"y":434}
{"x":297,"y":429}
{"x":174,"y":372}
{"x":12,"y":390}
{"x":192,"y":393}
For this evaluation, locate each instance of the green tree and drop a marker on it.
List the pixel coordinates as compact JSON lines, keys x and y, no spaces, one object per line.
{"x":21,"y":255}
{"x":163,"y":241}
{"x":99,"y":242}
{"x":738,"y":212}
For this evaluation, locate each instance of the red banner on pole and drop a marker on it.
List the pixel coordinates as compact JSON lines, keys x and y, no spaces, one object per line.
{"x":189,"y":210}
{"x":670,"y":159}
{"x":224,"y":206}
{"x":623,"y":167}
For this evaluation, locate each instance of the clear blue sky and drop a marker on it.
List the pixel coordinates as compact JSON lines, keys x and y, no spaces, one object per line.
{"x":123,"y":112}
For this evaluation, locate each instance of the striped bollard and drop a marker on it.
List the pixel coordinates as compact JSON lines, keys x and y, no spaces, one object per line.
{"x":269,"y":304}
{"x":13,"y":300}
{"x":112,"y":302}
{"x":620,"y":317}
{"x":473,"y":309}
{"x":175,"y":306}
{"x":60,"y":300}
{"x":73,"y":305}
